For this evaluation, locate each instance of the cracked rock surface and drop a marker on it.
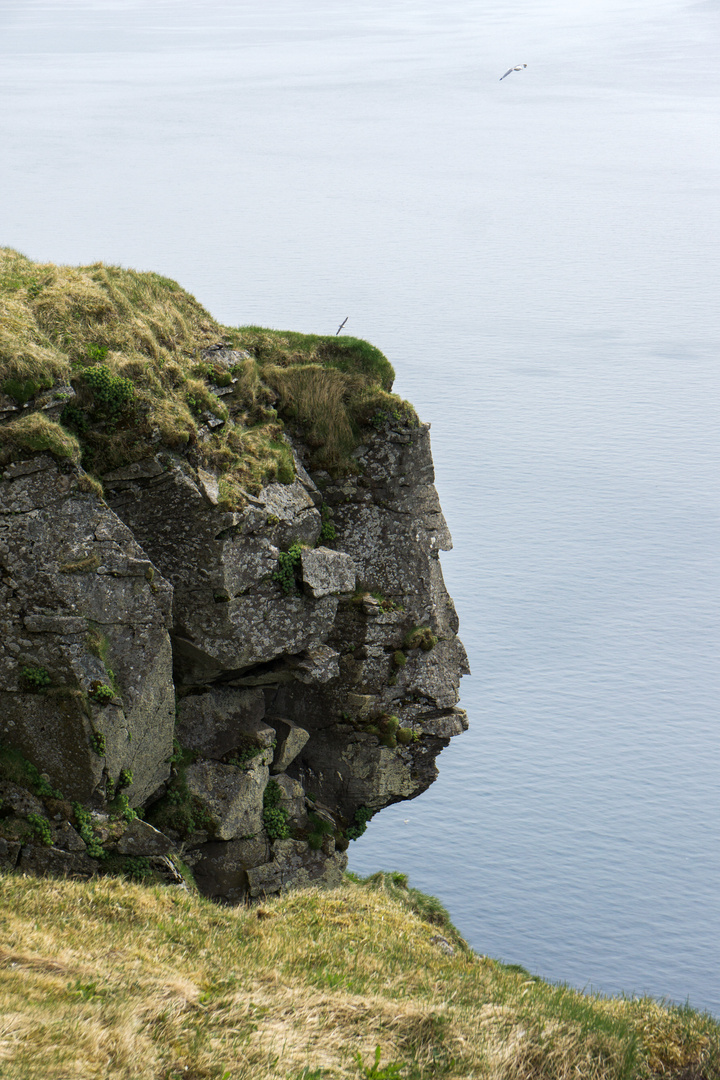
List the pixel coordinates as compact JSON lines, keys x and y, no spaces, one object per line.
{"x":150,"y":658}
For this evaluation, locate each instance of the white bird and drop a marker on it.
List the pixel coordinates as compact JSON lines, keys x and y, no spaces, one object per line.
{"x":518,"y":67}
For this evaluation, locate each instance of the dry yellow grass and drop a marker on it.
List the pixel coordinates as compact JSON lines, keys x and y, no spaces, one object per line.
{"x":58,"y":323}
{"x":114,"y":980}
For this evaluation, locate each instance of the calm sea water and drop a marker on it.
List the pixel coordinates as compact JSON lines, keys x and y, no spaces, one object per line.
{"x":539,"y":259}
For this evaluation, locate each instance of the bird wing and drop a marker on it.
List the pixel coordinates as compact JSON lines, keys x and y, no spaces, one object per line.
{"x":508,"y":72}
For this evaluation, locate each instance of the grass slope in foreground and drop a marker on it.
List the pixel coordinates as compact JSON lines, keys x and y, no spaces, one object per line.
{"x":109,"y":979}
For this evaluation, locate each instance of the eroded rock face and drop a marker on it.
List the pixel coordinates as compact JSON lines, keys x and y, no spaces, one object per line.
{"x":85,"y":656}
{"x":299,"y":711}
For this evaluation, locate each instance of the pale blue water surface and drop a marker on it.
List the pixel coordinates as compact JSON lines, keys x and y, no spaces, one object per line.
{"x":539,"y":259}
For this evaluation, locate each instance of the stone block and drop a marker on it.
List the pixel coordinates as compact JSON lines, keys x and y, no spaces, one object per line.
{"x":325,"y":571}
{"x":19,"y":800}
{"x":67,"y":838}
{"x":140,"y":838}
{"x":233,"y":796}
{"x":318,"y":665}
{"x":290,"y":740}
{"x":9,"y":851}
{"x":51,"y":862}
{"x":221,"y":872}
{"x":219,"y":721}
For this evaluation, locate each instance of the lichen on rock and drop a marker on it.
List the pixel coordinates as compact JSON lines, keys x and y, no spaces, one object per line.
{"x":222,"y":600}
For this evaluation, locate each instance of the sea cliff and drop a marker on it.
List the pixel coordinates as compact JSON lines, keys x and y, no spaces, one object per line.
{"x":226,"y":641}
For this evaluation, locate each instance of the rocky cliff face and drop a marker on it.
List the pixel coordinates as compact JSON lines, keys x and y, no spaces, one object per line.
{"x":237,"y":648}
{"x":301,"y":705}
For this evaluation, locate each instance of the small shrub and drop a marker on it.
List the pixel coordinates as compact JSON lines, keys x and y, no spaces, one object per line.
{"x":420,"y":637}
{"x":36,"y":679}
{"x":359,"y":823}
{"x":275,"y":818}
{"x":103,"y":694}
{"x":405,"y":736}
{"x":399,"y":658}
{"x":111,"y":393}
{"x":97,"y":743}
{"x":288,"y":561}
{"x":84,"y":827}
{"x":40,"y":827}
{"x":125,"y":779}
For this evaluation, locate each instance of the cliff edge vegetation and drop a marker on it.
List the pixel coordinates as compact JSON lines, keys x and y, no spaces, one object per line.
{"x":366,"y":981}
{"x":141,"y":363}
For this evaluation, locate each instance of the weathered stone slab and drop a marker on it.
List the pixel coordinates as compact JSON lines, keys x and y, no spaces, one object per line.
{"x":222,"y":870}
{"x":317,"y":665}
{"x":219,"y":721}
{"x":140,"y":838}
{"x":325,"y":571}
{"x":68,"y":625}
{"x":67,"y":838}
{"x":233,"y":797}
{"x":292,"y":798}
{"x":18,"y":799}
{"x":51,"y":862}
{"x":290,"y":740}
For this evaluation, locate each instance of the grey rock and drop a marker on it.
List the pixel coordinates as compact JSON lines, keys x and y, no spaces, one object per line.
{"x":140,"y":838}
{"x":233,"y":797}
{"x":52,"y":862}
{"x":300,"y":866}
{"x":222,"y":869}
{"x":9,"y":852}
{"x":290,"y":740}
{"x":292,"y":798}
{"x":19,"y":800}
{"x":56,"y":537}
{"x":67,"y":838}
{"x":264,"y":880}
{"x":443,"y":944}
{"x":325,"y":571}
{"x":318,"y":665}
{"x":219,"y":721}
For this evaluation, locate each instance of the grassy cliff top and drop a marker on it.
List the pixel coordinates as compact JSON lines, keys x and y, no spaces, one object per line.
{"x":133,"y":346}
{"x":112,"y":979}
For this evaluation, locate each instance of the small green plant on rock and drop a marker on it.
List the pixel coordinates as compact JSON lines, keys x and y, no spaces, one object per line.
{"x":40,"y":827}
{"x":320,"y":829}
{"x":36,"y":679}
{"x":399,"y":658}
{"x":327,"y":529}
{"x":405,"y":736}
{"x":97,"y":743}
{"x":179,"y":811}
{"x":102,"y":694}
{"x":125,"y":779}
{"x":420,"y":637}
{"x":288,"y":562}
{"x":275,"y":818}
{"x":120,"y":808}
{"x":18,"y":770}
{"x":84,"y":827}
{"x":359,"y":823}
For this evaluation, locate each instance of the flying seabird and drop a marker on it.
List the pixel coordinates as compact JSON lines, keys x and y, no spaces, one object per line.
{"x":518,"y":67}
{"x":341,"y":325}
